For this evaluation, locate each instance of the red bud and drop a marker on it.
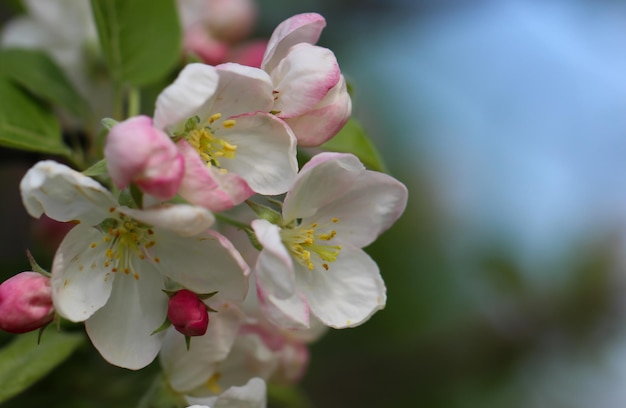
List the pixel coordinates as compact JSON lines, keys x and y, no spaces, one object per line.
{"x":187,"y":313}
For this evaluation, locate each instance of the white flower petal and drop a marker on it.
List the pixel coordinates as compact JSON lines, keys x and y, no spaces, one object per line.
{"x":251,"y":395}
{"x":186,"y":97}
{"x":348,"y":293}
{"x":188,"y":369}
{"x":365,"y":202}
{"x":202,"y":264}
{"x":122,"y":329}
{"x":274,"y":267}
{"x":301,"y":28}
{"x":266,"y":153}
{"x":291,"y":313}
{"x":241,"y":89}
{"x":80,"y":283}
{"x":183,"y":219}
{"x":320,"y":182}
{"x":64,"y":194}
{"x":303,"y":78}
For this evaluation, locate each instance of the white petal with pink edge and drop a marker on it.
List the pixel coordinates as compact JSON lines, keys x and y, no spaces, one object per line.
{"x":79,"y":285}
{"x":211,"y":263}
{"x":274,"y":266}
{"x":266,"y":152}
{"x":346,"y":294}
{"x":184,"y":220}
{"x":301,"y":28}
{"x":303,"y":78}
{"x":326,"y":119}
{"x":189,"y":95}
{"x":122,"y":330}
{"x":188,"y":369}
{"x":64,"y":194}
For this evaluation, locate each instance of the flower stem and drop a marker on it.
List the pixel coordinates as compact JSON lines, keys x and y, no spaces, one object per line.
{"x":231,"y":221}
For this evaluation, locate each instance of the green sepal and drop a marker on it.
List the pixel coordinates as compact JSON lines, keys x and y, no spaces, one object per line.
{"x":253,"y":238}
{"x":137,"y":195}
{"x":187,"y":341}
{"x":126,"y":198}
{"x":99,"y":168}
{"x":205,"y":296}
{"x":108,"y":123}
{"x":35,"y":266}
{"x":266,"y":213}
{"x":166,"y":324}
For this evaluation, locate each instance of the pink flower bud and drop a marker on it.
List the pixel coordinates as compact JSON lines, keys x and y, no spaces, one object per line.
{"x":187,"y":313}
{"x":25,"y":302}
{"x":138,"y":152}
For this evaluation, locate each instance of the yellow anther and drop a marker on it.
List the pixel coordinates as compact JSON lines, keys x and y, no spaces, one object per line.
{"x":213,"y":385}
{"x":93,"y":245}
{"x":229,"y":123}
{"x":214,"y":117}
{"x":335,"y":220}
{"x":229,"y":147}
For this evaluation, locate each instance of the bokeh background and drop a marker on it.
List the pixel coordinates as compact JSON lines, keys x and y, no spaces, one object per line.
{"x":506,"y":274}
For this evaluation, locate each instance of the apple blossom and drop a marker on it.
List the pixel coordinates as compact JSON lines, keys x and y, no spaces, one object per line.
{"x":110,"y":269}
{"x":25,"y":302}
{"x":231,"y":146}
{"x":313,"y":262}
{"x":310,"y":92}
{"x":138,"y":152}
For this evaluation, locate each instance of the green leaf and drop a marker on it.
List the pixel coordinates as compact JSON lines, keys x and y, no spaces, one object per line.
{"x":23,"y":361}
{"x":40,"y":75}
{"x":140,"y":39}
{"x":99,"y":168}
{"x":25,"y":124}
{"x":353,"y":139}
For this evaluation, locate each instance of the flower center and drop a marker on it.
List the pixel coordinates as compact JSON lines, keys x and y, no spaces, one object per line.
{"x":310,"y":243}
{"x":210,"y":148}
{"x":125,"y":239}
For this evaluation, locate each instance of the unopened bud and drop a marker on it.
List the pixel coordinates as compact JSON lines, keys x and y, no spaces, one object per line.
{"x":187,"y":313}
{"x":25,"y":302}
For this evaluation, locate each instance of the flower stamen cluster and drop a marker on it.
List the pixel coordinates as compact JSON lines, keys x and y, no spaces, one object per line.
{"x":126,"y":238}
{"x":302,"y":242}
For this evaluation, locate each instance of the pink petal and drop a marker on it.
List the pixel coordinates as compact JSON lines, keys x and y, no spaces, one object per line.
{"x":206,"y":186}
{"x":136,"y":151}
{"x":324,"y":121}
{"x":303,"y":78}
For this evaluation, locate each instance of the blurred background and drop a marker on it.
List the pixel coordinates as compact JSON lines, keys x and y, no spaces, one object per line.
{"x":506,"y":120}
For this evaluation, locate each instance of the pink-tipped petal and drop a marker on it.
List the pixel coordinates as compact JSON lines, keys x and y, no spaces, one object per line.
{"x":207,"y":187}
{"x":324,"y":121}
{"x":303,"y":78}
{"x":301,"y":28}
{"x":189,"y":95}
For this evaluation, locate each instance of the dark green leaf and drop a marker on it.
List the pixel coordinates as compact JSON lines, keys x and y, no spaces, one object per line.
{"x":36,"y":72}
{"x":352,"y":139}
{"x":23,"y":361}
{"x":25,"y":124}
{"x":140,"y":39}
